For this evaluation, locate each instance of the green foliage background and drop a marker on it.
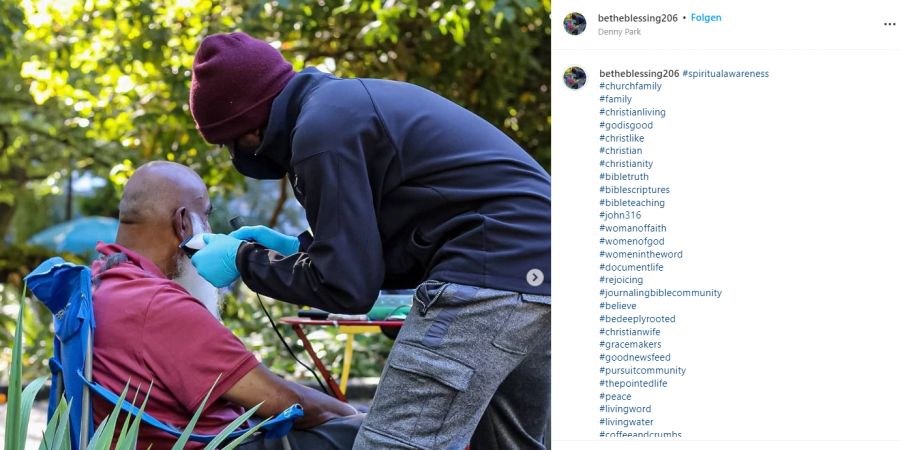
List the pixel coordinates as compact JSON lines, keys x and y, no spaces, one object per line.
{"x":101,"y":86}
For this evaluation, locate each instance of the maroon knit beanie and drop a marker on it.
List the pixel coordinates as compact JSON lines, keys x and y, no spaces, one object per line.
{"x":234,"y":82}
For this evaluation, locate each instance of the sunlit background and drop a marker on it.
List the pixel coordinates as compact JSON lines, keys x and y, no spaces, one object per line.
{"x":93,"y":89}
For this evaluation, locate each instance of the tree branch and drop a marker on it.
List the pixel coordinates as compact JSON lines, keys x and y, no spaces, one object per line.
{"x":43,"y":133}
{"x":312,"y":52}
{"x":282,"y":197}
{"x":4,"y":140}
{"x":17,"y":100}
{"x":20,"y":175}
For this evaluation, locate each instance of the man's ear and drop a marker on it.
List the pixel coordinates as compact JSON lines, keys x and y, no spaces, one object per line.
{"x":181,"y":224}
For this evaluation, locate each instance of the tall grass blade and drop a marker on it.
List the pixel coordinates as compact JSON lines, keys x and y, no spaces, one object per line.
{"x":106,"y":437}
{"x":62,"y":440}
{"x":27,"y":401}
{"x":92,"y":445}
{"x":231,"y":427}
{"x":240,"y":439}
{"x":186,"y":434}
{"x":122,"y":442}
{"x":50,"y":432}
{"x":13,"y":441}
{"x":132,"y":436}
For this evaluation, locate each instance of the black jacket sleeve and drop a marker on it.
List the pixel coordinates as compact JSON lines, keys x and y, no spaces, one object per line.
{"x":342,"y":268}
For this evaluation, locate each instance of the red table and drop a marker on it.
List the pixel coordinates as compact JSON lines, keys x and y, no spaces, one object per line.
{"x":351,"y":328}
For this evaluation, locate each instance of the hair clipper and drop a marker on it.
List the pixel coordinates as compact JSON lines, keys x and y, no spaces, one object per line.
{"x":192,"y":244}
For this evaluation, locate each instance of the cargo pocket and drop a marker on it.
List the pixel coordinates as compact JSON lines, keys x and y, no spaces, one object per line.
{"x":528,"y":322}
{"x":418,"y":389}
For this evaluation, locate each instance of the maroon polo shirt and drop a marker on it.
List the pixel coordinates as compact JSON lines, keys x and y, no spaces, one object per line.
{"x":150,"y":328}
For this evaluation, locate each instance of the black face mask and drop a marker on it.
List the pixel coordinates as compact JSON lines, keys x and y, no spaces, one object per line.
{"x":258,"y":166}
{"x":249,"y":162}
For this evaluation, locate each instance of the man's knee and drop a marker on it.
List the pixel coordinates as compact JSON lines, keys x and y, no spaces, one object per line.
{"x":335,"y":434}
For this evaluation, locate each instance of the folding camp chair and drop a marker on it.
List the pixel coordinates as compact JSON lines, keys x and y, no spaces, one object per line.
{"x":65,"y":289}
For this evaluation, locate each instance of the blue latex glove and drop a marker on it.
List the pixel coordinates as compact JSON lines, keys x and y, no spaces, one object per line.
{"x":217,"y":261}
{"x":268,"y":238}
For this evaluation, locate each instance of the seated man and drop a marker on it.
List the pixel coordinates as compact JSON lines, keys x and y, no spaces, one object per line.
{"x":157,"y":320}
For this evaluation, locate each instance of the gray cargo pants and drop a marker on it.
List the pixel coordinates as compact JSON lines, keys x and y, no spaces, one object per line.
{"x":471,"y":365}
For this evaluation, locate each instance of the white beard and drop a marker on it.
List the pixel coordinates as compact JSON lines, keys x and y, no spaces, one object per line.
{"x":187,"y":276}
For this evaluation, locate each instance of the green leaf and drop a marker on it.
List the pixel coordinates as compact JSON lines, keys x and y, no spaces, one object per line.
{"x":120,"y":442}
{"x":51,"y":437}
{"x":98,"y":433}
{"x":132,"y":434}
{"x":244,"y":436}
{"x":231,"y":427}
{"x":459,"y":34}
{"x":13,"y":440}
{"x":102,"y":439}
{"x":114,"y":417}
{"x":186,"y":434}
{"x":50,"y":433}
{"x":28,"y":400}
{"x":61,"y":438}
{"x":123,"y":432}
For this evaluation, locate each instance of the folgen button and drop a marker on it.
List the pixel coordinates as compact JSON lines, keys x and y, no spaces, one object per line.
{"x":535,"y":277}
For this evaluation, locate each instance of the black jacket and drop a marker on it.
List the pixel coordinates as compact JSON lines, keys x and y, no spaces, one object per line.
{"x":400,"y":185}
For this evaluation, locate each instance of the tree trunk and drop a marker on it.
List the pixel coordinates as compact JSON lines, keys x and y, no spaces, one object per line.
{"x":69,"y":197}
{"x":7,"y":210}
{"x":282,"y":197}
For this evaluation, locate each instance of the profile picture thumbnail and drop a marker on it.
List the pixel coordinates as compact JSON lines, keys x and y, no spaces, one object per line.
{"x":575,"y":23}
{"x":575,"y":77}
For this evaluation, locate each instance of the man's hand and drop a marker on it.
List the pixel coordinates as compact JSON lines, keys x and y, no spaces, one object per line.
{"x":217,"y":261}
{"x":269,"y":238}
{"x":260,"y":385}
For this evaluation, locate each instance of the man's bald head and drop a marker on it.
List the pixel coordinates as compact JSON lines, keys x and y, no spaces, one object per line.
{"x":157,"y":189}
{"x":162,"y":203}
